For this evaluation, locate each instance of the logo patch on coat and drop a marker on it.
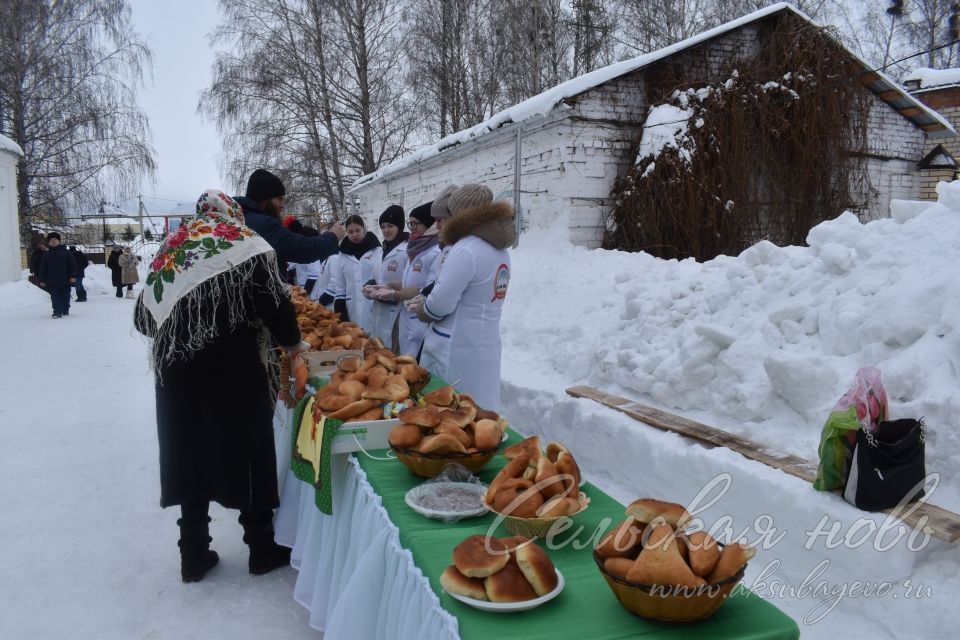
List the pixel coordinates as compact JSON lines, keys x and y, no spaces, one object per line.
{"x":393,"y":266}
{"x":500,"y":283}
{"x":417,"y":266}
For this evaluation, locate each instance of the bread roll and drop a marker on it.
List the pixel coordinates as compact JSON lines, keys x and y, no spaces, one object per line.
{"x":353,"y":409}
{"x":453,"y":581}
{"x":412,"y":373}
{"x":405,"y":436}
{"x":622,"y":542}
{"x":548,"y":479}
{"x":387,"y":362}
{"x":554,"y":449}
{"x":732,"y":559}
{"x":486,"y":434}
{"x":461,"y":417}
{"x":513,"y":543}
{"x":530,"y":446}
{"x":558,"y":506}
{"x":646,"y":509}
{"x":397,"y":387}
{"x":511,"y":470}
{"x":360,"y":376}
{"x":479,"y":556}
{"x":567,"y":466}
{"x":442,"y":397}
{"x":333,"y":403}
{"x":349,"y":364}
{"x":537,"y":568}
{"x":703,"y":553}
{"x":660,"y":562}
{"x":376,"y":413}
{"x":618,"y":567}
{"x":405,"y":360}
{"x":508,"y":585}
{"x":423,"y":416}
{"x":352,"y":388}
{"x":377,"y":377}
{"x":456,"y":432}
{"x":441,"y":443}
{"x":525,"y":505}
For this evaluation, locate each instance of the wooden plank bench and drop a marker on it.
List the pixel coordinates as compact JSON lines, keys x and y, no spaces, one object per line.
{"x":940,"y":523}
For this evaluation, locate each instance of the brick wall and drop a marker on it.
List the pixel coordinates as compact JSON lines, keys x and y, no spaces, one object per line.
{"x":947,"y":102}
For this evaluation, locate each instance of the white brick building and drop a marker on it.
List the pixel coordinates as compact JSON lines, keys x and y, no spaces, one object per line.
{"x":10,"y":155}
{"x":567,"y":146}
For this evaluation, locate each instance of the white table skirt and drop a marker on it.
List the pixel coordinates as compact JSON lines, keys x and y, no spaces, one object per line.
{"x":354,"y":577}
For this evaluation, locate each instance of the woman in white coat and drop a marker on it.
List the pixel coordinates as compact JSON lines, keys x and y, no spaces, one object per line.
{"x":462,"y":344}
{"x":389,"y":271}
{"x":353,"y":267}
{"x":423,"y":249}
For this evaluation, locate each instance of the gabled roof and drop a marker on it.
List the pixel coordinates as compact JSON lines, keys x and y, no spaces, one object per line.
{"x":926,"y":79}
{"x":938,"y":158}
{"x":886,"y":89}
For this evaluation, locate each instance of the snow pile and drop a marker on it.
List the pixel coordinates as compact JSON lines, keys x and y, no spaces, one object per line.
{"x":6,"y":144}
{"x":761,"y":344}
{"x":20,"y":294}
{"x":665,"y":126}
{"x":933,"y":77}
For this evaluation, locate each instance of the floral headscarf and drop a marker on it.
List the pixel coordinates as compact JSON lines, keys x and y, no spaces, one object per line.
{"x":189,"y":265}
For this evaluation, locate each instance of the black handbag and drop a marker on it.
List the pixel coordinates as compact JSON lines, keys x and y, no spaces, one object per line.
{"x":888,"y":465}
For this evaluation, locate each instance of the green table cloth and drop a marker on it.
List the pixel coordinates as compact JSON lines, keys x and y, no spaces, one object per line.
{"x":587,"y":607}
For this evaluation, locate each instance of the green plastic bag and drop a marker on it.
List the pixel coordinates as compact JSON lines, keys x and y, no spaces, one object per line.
{"x":864,"y":406}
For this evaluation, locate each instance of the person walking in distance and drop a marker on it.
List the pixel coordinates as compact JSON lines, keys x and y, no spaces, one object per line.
{"x":116,"y":271}
{"x":128,"y":266}
{"x":58,"y":270}
{"x":82,"y":263}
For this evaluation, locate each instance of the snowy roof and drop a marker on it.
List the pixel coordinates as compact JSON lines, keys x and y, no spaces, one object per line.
{"x":933,"y":78}
{"x":8,"y":145}
{"x":889,"y":91}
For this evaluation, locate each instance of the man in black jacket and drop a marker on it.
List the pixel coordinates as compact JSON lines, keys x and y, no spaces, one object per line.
{"x":262,"y":206}
{"x":58,"y":270}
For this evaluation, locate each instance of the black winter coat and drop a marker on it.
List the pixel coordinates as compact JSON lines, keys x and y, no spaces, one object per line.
{"x":57,"y":266}
{"x":290,"y":247}
{"x":215,"y":413}
{"x":34,"y":262}
{"x":116,"y":271}
{"x":81,"y":259}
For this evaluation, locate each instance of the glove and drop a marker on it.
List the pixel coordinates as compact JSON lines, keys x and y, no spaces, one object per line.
{"x":413,"y":302}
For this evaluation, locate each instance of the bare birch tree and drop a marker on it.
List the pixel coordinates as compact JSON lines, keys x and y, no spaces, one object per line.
{"x":69,"y":73}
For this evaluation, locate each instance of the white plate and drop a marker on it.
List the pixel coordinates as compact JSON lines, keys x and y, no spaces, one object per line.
{"x":413,"y":497}
{"x":507,"y":607}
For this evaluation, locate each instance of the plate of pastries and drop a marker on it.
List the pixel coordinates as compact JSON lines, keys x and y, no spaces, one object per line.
{"x":501,"y":574}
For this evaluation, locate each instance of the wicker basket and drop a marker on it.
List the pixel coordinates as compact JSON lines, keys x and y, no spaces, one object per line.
{"x":636,"y":598}
{"x":429,"y":465}
{"x":537,"y":527}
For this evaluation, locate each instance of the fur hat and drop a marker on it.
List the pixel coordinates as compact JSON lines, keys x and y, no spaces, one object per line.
{"x":438,"y":208}
{"x":53,"y":235}
{"x":422,"y":214}
{"x":393,"y":215}
{"x":263,"y":185}
{"x":467,"y":197}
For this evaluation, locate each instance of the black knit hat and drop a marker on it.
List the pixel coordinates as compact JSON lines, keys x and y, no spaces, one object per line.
{"x":394,"y":215}
{"x":422,"y":214}
{"x":263,"y":185}
{"x":52,"y":235}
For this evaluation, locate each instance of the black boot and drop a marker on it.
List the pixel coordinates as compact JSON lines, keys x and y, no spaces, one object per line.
{"x":265,"y":554}
{"x":196,"y":556}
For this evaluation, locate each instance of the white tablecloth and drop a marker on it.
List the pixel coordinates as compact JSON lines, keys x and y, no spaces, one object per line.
{"x":355,"y":578}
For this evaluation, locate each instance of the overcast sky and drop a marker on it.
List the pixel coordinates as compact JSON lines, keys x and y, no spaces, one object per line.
{"x":187,"y":147}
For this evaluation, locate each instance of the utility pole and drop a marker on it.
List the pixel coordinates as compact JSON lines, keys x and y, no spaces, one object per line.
{"x":140,"y":211}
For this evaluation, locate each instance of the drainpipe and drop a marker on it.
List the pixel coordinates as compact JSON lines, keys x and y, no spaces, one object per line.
{"x":518,"y":215}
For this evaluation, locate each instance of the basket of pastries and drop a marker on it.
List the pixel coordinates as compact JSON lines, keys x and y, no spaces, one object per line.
{"x":501,"y":574}
{"x":377,"y":387}
{"x":658,"y":571}
{"x":535,"y":489}
{"x":447,"y":427}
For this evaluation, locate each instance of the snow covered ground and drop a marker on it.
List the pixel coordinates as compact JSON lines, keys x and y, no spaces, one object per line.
{"x":760,"y":344}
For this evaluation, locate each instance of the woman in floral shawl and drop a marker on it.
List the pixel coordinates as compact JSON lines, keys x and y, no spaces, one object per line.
{"x":212,"y":291}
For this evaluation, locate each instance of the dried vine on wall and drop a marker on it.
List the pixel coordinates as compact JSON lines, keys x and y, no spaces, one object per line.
{"x":769,"y":152}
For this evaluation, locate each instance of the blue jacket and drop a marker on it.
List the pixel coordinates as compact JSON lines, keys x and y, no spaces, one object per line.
{"x":57,"y":266}
{"x":290,"y":247}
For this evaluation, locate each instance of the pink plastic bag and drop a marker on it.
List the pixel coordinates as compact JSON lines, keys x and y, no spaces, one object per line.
{"x":864,"y":406}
